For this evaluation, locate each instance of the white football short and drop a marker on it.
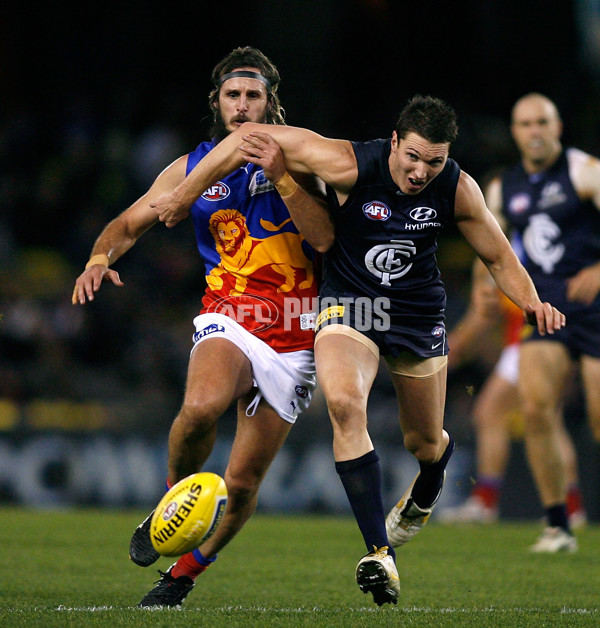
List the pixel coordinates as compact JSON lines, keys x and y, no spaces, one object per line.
{"x":286,"y":380}
{"x":507,"y":366}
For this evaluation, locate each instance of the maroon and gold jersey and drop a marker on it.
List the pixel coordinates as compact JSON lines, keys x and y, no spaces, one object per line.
{"x":259,"y":269}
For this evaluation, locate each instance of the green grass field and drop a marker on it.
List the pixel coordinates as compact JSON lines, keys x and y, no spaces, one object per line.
{"x":71,"y":568}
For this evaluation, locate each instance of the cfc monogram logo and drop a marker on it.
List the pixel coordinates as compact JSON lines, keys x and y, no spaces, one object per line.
{"x":540,"y":240}
{"x":390,"y":261}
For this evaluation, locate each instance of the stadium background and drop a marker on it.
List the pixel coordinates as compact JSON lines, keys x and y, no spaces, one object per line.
{"x":97,"y":99}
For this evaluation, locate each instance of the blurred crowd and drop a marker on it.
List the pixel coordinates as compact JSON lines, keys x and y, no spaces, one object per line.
{"x":62,"y":177}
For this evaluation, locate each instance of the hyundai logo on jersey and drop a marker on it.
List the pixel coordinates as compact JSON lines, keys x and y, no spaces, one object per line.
{"x":217,"y":192}
{"x":376,"y":210}
{"x":423,"y":213}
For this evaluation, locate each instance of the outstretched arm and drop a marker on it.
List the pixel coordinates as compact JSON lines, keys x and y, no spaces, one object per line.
{"x":482,"y":231}
{"x":303,"y":194}
{"x":121,"y":233}
{"x":333,"y":161}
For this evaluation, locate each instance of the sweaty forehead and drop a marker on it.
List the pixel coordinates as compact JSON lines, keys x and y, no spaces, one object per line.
{"x":426,"y":149}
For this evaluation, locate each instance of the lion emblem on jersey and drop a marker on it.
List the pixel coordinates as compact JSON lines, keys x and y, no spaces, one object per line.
{"x":242,"y":255}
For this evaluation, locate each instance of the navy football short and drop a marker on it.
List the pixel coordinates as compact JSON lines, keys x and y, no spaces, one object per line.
{"x":581,"y":335}
{"x":422,"y":335}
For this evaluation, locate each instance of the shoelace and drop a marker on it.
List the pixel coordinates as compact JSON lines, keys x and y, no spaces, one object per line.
{"x":163,"y":574}
{"x":380,"y":552}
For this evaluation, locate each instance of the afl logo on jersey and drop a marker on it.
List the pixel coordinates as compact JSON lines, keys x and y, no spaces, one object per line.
{"x":376,"y":210}
{"x":519,"y":203}
{"x":423,"y":213}
{"x":302,"y":391}
{"x":216,"y":192}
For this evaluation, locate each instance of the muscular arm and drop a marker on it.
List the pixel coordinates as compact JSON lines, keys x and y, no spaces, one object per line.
{"x":584,"y":286}
{"x":333,"y":161}
{"x":121,"y":233}
{"x":310,"y":212}
{"x":303,"y":194}
{"x":483,"y":233}
{"x":585,"y":174}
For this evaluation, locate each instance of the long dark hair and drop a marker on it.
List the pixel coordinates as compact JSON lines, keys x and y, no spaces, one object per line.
{"x":247,"y":57}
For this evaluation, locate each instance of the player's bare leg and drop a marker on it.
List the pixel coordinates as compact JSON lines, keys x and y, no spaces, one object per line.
{"x":590,"y":372}
{"x":547,"y":365}
{"x":421,"y":403}
{"x":493,"y":408}
{"x":258,"y":439}
{"x":218,"y":373}
{"x":347,"y":368}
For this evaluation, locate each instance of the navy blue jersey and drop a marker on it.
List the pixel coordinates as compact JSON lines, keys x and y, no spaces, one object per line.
{"x":386,"y":241}
{"x":560,"y":234}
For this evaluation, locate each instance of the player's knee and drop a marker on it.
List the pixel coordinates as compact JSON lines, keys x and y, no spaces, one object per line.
{"x":199,"y":416}
{"x":538,"y":424}
{"x":241,"y":488}
{"x":538,"y":415}
{"x":343,"y":406}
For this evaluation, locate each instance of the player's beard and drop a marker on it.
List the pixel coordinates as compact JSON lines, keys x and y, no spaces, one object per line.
{"x":218,"y":130}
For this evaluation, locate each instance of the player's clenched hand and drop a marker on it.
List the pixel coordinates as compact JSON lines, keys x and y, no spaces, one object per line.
{"x":545,"y":317}
{"x":90,"y":280}
{"x":170,"y":209}
{"x":261,"y":149}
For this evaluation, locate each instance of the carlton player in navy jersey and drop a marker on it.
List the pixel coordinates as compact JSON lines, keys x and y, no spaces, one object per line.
{"x":551,"y":200}
{"x":385,"y":250}
{"x":382,"y":295}
{"x":246,"y":349}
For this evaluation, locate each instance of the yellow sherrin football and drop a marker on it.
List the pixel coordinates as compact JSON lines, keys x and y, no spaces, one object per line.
{"x":188,"y":514}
